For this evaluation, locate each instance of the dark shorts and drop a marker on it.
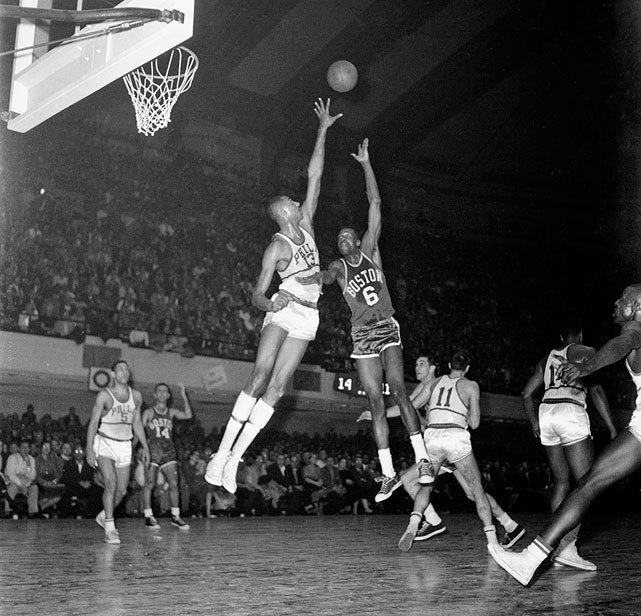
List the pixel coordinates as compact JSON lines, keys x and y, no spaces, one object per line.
{"x":162,"y":452}
{"x":372,"y":340}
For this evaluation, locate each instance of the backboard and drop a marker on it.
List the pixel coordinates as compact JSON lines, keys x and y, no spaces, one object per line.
{"x":89,"y":60}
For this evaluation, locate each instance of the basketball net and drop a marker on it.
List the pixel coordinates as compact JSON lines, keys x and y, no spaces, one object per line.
{"x":155,"y":87}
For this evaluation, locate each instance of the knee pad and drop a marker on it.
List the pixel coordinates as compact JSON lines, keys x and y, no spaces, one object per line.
{"x":261,"y":414}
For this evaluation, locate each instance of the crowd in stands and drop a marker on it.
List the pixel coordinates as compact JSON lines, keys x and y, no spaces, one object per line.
{"x":163,"y":252}
{"x":44,"y":474}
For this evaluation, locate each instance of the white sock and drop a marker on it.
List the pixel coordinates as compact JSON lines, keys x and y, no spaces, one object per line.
{"x":175,"y":512}
{"x":242,"y":408}
{"x":431,"y":517}
{"x":261,"y":413}
{"x":507,"y":522}
{"x":415,"y":519}
{"x":418,"y":444}
{"x":387,"y":466}
{"x":109,"y":524}
{"x":490,"y":534}
{"x":148,"y":513}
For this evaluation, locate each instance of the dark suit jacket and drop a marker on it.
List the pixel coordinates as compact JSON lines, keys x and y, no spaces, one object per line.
{"x":274,"y":473}
{"x":72,"y":477}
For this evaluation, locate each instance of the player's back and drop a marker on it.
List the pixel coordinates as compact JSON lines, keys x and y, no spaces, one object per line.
{"x":446,"y":408}
{"x":556,"y":391}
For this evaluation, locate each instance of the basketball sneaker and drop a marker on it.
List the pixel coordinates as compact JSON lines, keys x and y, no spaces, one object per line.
{"x":151,"y":523}
{"x":425,"y":472}
{"x":112,"y":536}
{"x":569,"y":557}
{"x":511,"y":538}
{"x":407,"y":539}
{"x":388,"y":485}
{"x":178,"y":522}
{"x":229,"y":474}
{"x":520,"y":565}
{"x":427,"y":531}
{"x":100,"y":519}
{"x":215,"y":467}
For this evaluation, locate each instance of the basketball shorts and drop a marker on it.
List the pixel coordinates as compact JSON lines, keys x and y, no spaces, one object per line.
{"x":118,"y":451}
{"x":372,"y":340}
{"x":563,"y":423}
{"x":635,"y":424}
{"x":297,"y":320}
{"x":162,"y":452}
{"x":447,"y":445}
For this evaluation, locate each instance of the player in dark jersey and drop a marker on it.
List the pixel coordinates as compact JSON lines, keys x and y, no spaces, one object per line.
{"x":563,"y":426}
{"x":291,"y":316}
{"x":375,"y":332}
{"x":159,"y":424}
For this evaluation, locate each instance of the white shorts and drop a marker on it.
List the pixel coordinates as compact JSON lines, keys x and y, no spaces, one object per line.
{"x":635,"y":424}
{"x":297,"y":320}
{"x":447,"y":444}
{"x":118,"y":451}
{"x":563,"y":423}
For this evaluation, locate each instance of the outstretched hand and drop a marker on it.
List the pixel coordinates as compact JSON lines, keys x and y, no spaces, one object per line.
{"x":363,"y":153}
{"x":322,"y":111}
{"x":569,"y":372}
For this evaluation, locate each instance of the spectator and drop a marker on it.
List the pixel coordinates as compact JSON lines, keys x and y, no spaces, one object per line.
{"x":82,"y":496}
{"x":20,"y":477}
{"x":48,"y":476}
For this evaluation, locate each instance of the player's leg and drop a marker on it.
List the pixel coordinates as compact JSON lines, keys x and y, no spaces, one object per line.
{"x":579,"y":457}
{"x":392,"y":358}
{"x":513,"y":530}
{"x":470,"y":472}
{"x":170,"y":471}
{"x":421,"y":503}
{"x":620,"y":458}
{"x":370,"y":373}
{"x":110,"y":474}
{"x":288,"y":359}
{"x":271,"y":340}
{"x":151,"y":474}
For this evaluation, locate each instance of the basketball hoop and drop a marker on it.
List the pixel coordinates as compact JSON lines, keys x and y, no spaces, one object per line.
{"x":155,"y":87}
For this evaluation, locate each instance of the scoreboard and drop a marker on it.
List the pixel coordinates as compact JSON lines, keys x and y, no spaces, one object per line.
{"x":349,"y":383}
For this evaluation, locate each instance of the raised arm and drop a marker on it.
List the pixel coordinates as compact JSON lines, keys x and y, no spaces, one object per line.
{"x":369,"y":244}
{"x":187,"y":413}
{"x":275,"y":252}
{"x":317,"y":162}
{"x":527,"y":397}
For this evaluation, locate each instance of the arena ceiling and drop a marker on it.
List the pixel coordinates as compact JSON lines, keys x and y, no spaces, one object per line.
{"x":536,"y":96}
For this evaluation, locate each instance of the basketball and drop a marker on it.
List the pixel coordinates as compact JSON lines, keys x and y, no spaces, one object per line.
{"x":342,"y":76}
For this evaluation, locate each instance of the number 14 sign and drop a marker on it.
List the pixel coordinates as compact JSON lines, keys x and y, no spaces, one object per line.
{"x":349,"y":383}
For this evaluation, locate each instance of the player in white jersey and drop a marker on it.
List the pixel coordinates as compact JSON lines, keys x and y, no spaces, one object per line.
{"x":620,"y":458}
{"x":432,"y":525}
{"x":453,"y":407}
{"x":115,"y":419}
{"x":563,"y":425}
{"x":291,"y":320}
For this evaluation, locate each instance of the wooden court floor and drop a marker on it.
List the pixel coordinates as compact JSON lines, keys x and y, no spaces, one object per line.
{"x":302,"y":565}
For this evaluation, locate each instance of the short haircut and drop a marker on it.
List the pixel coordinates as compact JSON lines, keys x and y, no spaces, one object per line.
{"x":428,"y":356}
{"x":118,"y":361}
{"x":273,"y":204}
{"x":162,"y":385}
{"x":460,"y":360}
